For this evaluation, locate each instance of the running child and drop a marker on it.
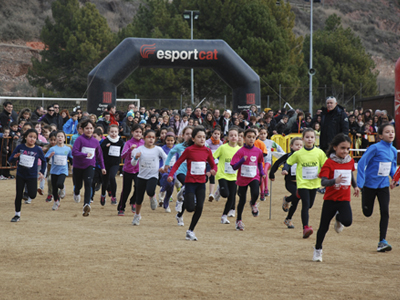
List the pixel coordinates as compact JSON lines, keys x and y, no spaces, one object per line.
{"x":196,"y":155}
{"x":337,"y":176}
{"x":130,"y":171}
{"x":226,"y":176}
{"x":260,"y":145}
{"x":213,"y":143}
{"x":290,"y":203}
{"x":248,"y":160}
{"x":52,"y":143}
{"x":27,"y":154}
{"x":59,"y":155}
{"x":86,"y":151}
{"x":309,"y":161}
{"x":374,"y":167}
{"x":111,"y":147}
{"x":148,"y":157}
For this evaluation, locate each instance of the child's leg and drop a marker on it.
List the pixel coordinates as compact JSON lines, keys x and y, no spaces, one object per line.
{"x":88,"y":179}
{"x":19,"y":187}
{"x":105,"y":179}
{"x":113,"y":183}
{"x":329,"y":210}
{"x":127,"y":180}
{"x":189,"y":201}
{"x":265,"y":180}
{"x":212,"y":184}
{"x":200,"y":195}
{"x":232,"y":187}
{"x":77,"y":176}
{"x":367,"y":200}
{"x":242,"y":201}
{"x":307,"y":199}
{"x":49,"y":185}
{"x":151,"y":185}
{"x":345,"y":215}
{"x":168,"y":195}
{"x":181,"y":177}
{"x":254,"y":191}
{"x":383,"y":199}
{"x":140,"y":190}
{"x":60,"y":182}
{"x":132,"y":200}
{"x":54,"y":179}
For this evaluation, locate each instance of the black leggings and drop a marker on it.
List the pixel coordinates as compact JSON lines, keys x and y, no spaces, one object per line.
{"x":57,"y":182}
{"x":181,"y":177}
{"x":193,"y":205}
{"x":292,"y":189}
{"x":86,"y":176}
{"x":329,"y":209}
{"x":109,"y":178}
{"x":145,"y":186}
{"x":228,"y":189}
{"x":367,"y":202}
{"x":126,"y":190}
{"x":307,"y":198}
{"x":254,"y":191}
{"x":31,"y":186}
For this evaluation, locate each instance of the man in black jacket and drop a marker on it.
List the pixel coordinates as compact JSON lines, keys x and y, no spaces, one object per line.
{"x":7,"y":116}
{"x":37,"y":114}
{"x":50,"y":117}
{"x":334,"y":121}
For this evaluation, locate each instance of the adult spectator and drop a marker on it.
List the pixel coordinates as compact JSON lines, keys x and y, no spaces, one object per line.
{"x":58,"y":117}
{"x":196,"y":115}
{"x":105,"y":121}
{"x":50,"y":117}
{"x":217,"y":115}
{"x":142,"y":113}
{"x":334,"y":120}
{"x":188,"y":111}
{"x":279,"y":117}
{"x":204,"y":111}
{"x":37,"y":114}
{"x":292,"y":115}
{"x":272,"y":124}
{"x":225,"y":122}
{"x":8,"y":115}
{"x":112,"y":110}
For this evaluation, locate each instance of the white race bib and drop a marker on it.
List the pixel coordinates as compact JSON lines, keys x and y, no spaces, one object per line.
{"x":114,"y":151}
{"x":248,"y":171}
{"x":172,"y":161}
{"x":60,"y":160}
{"x":346,"y":174}
{"x":384,"y":168}
{"x":293,"y":170}
{"x":229,"y":169}
{"x":310,"y":172}
{"x":148,"y":163}
{"x":198,"y":168}
{"x":87,"y":150}
{"x":26,"y":160}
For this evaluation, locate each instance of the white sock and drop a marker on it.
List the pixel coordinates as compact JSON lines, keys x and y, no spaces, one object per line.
{"x":18,"y":213}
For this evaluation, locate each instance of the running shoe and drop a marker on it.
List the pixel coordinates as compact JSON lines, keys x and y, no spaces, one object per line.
{"x":383,"y":246}
{"x":239,"y":225}
{"x":317,"y":255}
{"x":103,"y":200}
{"x":56,"y":205}
{"x":40,"y":191}
{"x":338,"y":226}
{"x":62,"y":193}
{"x":167,"y":210}
{"x":133,"y":208}
{"x":77,"y":198}
{"x":285,"y":204}
{"x":16,"y":218}
{"x":136,"y":220}
{"x":178,"y":206}
{"x":190,"y":236}
{"x":114,"y":200}
{"x":49,"y":198}
{"x":29,"y":201}
{"x":211,"y":198}
{"x":161,"y":197}
{"x":288,"y":223}
{"x":224,"y":220}
{"x":217,"y":194}
{"x":262,"y":196}
{"x":180,"y":220}
{"x":121,"y":213}
{"x":86,"y":210}
{"x":180,"y":195}
{"x":231,"y":213}
{"x":254,"y":210}
{"x":307,"y":231}
{"x":153,"y":202}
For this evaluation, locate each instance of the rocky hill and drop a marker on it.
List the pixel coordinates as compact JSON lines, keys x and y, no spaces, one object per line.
{"x":377,"y":23}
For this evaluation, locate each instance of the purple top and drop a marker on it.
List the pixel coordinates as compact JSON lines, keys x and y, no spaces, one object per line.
{"x":84,"y":145}
{"x":127,"y":155}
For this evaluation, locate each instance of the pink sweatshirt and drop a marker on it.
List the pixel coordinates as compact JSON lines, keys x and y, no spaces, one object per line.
{"x":126,"y":155}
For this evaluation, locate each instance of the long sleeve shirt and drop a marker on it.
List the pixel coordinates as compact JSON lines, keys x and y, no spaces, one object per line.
{"x":84,"y":145}
{"x":249,"y":169}
{"x":127,"y":155}
{"x":28,"y":161}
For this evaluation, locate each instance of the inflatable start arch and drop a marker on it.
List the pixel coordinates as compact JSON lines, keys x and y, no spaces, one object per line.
{"x":167,"y":53}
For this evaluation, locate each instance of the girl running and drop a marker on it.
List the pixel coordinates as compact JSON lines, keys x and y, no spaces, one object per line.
{"x":213,"y":143}
{"x":374,"y":167}
{"x":196,"y":155}
{"x":130,"y":172}
{"x":59,"y":155}
{"x":289,"y":203}
{"x":27,"y":154}
{"x":148,"y":157}
{"x":309,"y":161}
{"x":337,"y":176}
{"x":249,"y":161}
{"x":226,"y":176}
{"x":86,"y":151}
{"x":111,"y":147}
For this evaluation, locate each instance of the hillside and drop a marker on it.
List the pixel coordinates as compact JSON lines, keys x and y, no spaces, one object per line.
{"x":375,"y":22}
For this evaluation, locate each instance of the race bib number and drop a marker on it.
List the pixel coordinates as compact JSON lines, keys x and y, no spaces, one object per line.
{"x":148,"y":163}
{"x":114,"y":151}
{"x":346,"y":174}
{"x":172,"y":161}
{"x":60,"y":160}
{"x":248,"y":171}
{"x":198,"y":168}
{"x":310,"y":172}
{"x":26,"y":160}
{"x":87,"y":150}
{"x":293,"y":170}
{"x":229,"y":169}
{"x":384,"y":168}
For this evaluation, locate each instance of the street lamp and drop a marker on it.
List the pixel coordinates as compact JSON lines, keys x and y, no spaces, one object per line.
{"x":190,"y":15}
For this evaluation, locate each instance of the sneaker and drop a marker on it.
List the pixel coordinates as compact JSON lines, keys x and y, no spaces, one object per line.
{"x":133,"y":208}
{"x":383,"y":246}
{"x":121,"y":213}
{"x":180,"y":220}
{"x":239,"y":225}
{"x":285,"y":204}
{"x":321,"y":191}
{"x":266,"y":194}
{"x":25,"y":196}
{"x":231,"y":213}
{"x":217,"y":194}
{"x":16,"y":218}
{"x":262,"y":197}
{"x":29,"y":201}
{"x":49,"y":198}
{"x":338,"y":226}
{"x":103,"y":200}
{"x":211,"y":198}
{"x":56,"y":205}
{"x":190,"y":236}
{"x":180,"y":194}
{"x":77,"y":198}
{"x":62,"y":193}
{"x":178,"y":206}
{"x":40,"y":191}
{"x":254,"y":210}
{"x":136,"y":220}
{"x":161,"y":197}
{"x":114,"y":200}
{"x":2,"y":177}
{"x":224,"y":220}
{"x":288,"y":223}
{"x":317,"y":255}
{"x":153,"y":202}
{"x":11,"y":177}
{"x":307,"y":231}
{"x":167,"y":210}
{"x":86,"y":210}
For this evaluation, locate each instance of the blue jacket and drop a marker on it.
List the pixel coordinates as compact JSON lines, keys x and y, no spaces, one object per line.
{"x":370,"y":165}
{"x":178,"y":149}
{"x":70,"y":127}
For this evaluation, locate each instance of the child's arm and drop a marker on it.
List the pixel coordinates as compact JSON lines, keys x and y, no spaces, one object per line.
{"x":362,"y":164}
{"x":180,"y":160}
{"x":135,"y":157}
{"x":75,"y":150}
{"x":211,"y":162}
{"x":100,"y":159}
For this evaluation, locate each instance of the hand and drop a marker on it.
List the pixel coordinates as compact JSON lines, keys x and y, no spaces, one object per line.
{"x":356,"y":191}
{"x":161,"y":170}
{"x":51,"y":154}
{"x":340,"y":179}
{"x":170,"y":178}
{"x":166,"y":168}
{"x":245,"y":158}
{"x":17,"y":155}
{"x":213,"y":172}
{"x":272,"y":179}
{"x":89,"y":155}
{"x":208,"y":174}
{"x":264,"y":176}
{"x":103,"y":171}
{"x":108,"y":145}
{"x":393,"y":184}
{"x":284,"y":172}
{"x":133,"y":146}
{"x":40,"y":176}
{"x":138,"y":155}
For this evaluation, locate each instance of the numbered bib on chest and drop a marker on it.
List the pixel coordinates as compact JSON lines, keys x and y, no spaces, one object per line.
{"x":114,"y":151}
{"x":384,"y":168}
{"x":229,"y":169}
{"x":60,"y":160}
{"x":198,"y":168}
{"x":293,"y":170}
{"x":172,"y":161}
{"x":87,"y":150}
{"x":148,"y":163}
{"x":346,"y":174}
{"x":248,"y":171}
{"x":310,"y":172}
{"x":26,"y":160}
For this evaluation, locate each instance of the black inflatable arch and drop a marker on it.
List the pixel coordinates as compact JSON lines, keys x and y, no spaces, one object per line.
{"x":132,"y":53}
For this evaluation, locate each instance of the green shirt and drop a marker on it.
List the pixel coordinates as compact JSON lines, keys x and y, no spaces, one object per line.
{"x":225,"y":153}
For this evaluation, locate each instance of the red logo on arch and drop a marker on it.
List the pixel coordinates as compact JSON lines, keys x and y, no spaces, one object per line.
{"x":107,"y":97}
{"x":250,"y":99}
{"x":146,"y":50}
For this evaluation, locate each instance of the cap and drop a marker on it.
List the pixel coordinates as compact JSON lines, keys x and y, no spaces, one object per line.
{"x":267,"y":109}
{"x":129,"y":114}
{"x":142,"y":122}
{"x":228,"y":111}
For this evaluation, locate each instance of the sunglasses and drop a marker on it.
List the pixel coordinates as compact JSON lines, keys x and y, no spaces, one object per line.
{"x":56,"y":107}
{"x":51,"y":109}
